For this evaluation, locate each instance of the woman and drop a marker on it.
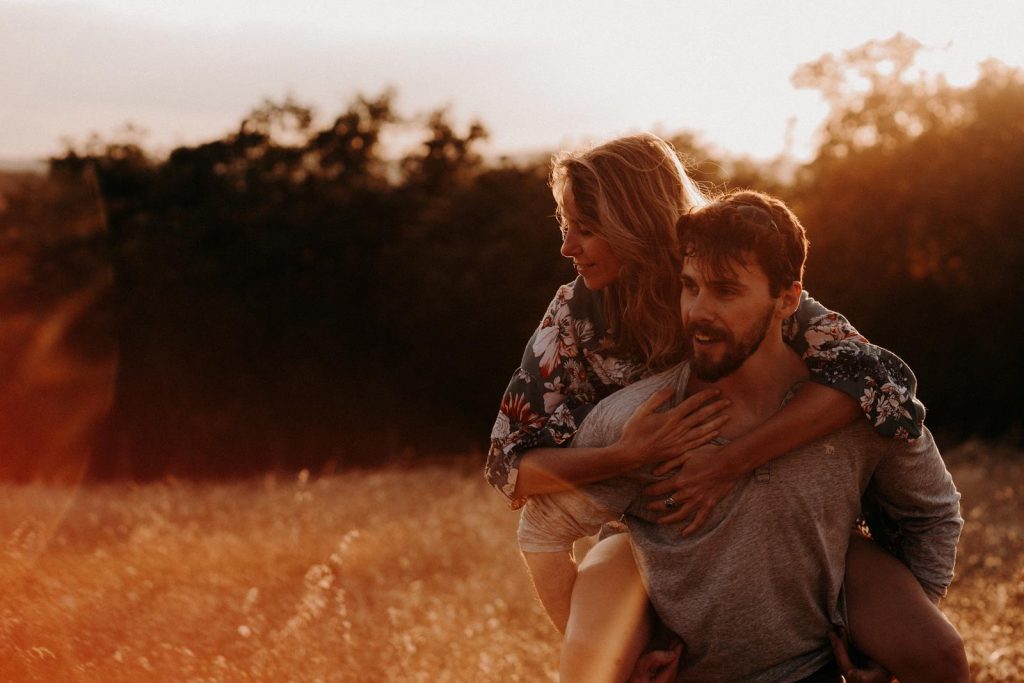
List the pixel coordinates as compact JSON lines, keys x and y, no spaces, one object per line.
{"x":619,"y":322}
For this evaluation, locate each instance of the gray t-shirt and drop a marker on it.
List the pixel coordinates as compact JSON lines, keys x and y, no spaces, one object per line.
{"x":754,"y":592}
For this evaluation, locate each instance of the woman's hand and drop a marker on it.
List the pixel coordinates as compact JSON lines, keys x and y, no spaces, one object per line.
{"x":650,"y":436}
{"x":693,"y":491}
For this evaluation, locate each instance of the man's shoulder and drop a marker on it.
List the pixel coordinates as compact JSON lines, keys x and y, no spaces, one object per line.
{"x":604,"y":423}
{"x":862,"y":434}
{"x":630,"y":397}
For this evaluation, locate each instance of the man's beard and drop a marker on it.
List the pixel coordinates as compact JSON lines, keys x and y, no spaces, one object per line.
{"x":736,"y":353}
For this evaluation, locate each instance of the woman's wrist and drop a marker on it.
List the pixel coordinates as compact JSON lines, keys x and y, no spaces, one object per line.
{"x":622,"y":457}
{"x":627,"y":454}
{"x":734,"y":460}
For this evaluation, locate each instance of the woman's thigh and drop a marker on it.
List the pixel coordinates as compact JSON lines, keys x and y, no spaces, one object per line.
{"x":609,"y":622}
{"x":893,"y":621}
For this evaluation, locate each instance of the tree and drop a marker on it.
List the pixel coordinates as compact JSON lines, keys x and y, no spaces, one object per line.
{"x":912,"y":207}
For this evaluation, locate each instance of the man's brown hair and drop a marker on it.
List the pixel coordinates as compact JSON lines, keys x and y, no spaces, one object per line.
{"x":740,"y":221}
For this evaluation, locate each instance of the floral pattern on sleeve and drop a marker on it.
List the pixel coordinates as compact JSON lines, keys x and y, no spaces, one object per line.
{"x":839,"y":357}
{"x":566,"y":369}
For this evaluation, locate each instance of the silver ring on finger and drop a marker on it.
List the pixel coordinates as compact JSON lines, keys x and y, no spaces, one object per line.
{"x":670,"y":502}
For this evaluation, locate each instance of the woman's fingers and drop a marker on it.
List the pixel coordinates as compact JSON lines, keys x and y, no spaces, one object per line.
{"x":703,"y":433}
{"x":698,"y":521}
{"x":702,"y":414}
{"x":694,"y":402}
{"x":670,"y":465}
{"x":678,"y":514}
{"x":663,"y":487}
{"x":679,"y":489}
{"x":654,"y":402}
{"x":682,"y":504}
{"x":652,"y":435}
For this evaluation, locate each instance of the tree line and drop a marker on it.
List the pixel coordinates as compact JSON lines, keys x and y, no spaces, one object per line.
{"x":291,"y":296}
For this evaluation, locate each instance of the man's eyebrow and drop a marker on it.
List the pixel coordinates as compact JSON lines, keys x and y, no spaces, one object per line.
{"x":726,"y":282}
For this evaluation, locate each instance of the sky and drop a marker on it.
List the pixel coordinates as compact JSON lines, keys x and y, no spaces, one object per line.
{"x":539,"y":74}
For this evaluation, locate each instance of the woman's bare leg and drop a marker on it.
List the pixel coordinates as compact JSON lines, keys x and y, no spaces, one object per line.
{"x":893,"y":621}
{"x":609,"y":621}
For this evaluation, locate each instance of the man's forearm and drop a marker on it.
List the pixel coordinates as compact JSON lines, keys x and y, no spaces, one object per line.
{"x":554,"y":575}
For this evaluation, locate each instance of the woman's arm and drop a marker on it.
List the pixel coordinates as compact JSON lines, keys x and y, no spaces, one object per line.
{"x":551,"y":393}
{"x":850,"y":377}
{"x":709,"y":473}
{"x":548,"y":395}
{"x":648,"y":436}
{"x":841,"y":358}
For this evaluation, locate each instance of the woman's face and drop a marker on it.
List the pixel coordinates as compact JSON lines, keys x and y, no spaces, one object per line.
{"x":591,"y":254}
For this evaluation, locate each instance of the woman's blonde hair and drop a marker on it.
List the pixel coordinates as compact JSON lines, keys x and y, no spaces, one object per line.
{"x":631,"y":191}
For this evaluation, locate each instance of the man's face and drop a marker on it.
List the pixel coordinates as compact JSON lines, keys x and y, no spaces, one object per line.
{"x":725,"y":315}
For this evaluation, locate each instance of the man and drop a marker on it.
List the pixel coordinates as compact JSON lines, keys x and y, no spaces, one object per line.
{"x":755,"y":592}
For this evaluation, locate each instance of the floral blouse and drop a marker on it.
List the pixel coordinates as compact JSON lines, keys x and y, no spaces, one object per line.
{"x":568,"y":367}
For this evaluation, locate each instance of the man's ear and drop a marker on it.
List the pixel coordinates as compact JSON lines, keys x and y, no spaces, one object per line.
{"x":789,"y":299}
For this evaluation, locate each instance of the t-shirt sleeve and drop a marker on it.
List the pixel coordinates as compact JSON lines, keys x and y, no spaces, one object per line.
{"x":552,"y":522}
{"x":838,"y":356}
{"x":913,"y":510}
{"x":549,"y":394}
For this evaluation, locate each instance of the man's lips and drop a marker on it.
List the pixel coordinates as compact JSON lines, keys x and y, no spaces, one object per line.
{"x":706,"y":337}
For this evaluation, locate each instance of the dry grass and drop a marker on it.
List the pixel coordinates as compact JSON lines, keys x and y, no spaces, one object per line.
{"x":382,"y":576}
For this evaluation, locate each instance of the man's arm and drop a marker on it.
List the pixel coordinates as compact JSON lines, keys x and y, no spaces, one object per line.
{"x":914,"y":490}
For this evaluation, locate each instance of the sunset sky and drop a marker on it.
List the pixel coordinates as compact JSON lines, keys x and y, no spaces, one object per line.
{"x":540,"y":74}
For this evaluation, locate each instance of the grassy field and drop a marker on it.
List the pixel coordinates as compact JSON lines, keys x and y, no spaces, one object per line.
{"x":393,"y":575}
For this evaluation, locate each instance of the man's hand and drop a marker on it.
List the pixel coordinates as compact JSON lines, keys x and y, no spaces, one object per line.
{"x":872,"y":672}
{"x":658,"y":666}
{"x":694,"y":490}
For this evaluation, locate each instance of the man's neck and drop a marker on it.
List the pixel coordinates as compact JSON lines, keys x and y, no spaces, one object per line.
{"x":759,"y":386}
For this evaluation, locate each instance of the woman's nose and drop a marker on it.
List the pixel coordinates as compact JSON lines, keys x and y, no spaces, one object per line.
{"x":570,"y":244}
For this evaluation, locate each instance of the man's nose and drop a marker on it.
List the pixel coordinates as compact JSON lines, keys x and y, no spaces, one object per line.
{"x":700,"y":308}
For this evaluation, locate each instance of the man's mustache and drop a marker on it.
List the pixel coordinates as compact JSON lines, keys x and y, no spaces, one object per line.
{"x":707,"y":330}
